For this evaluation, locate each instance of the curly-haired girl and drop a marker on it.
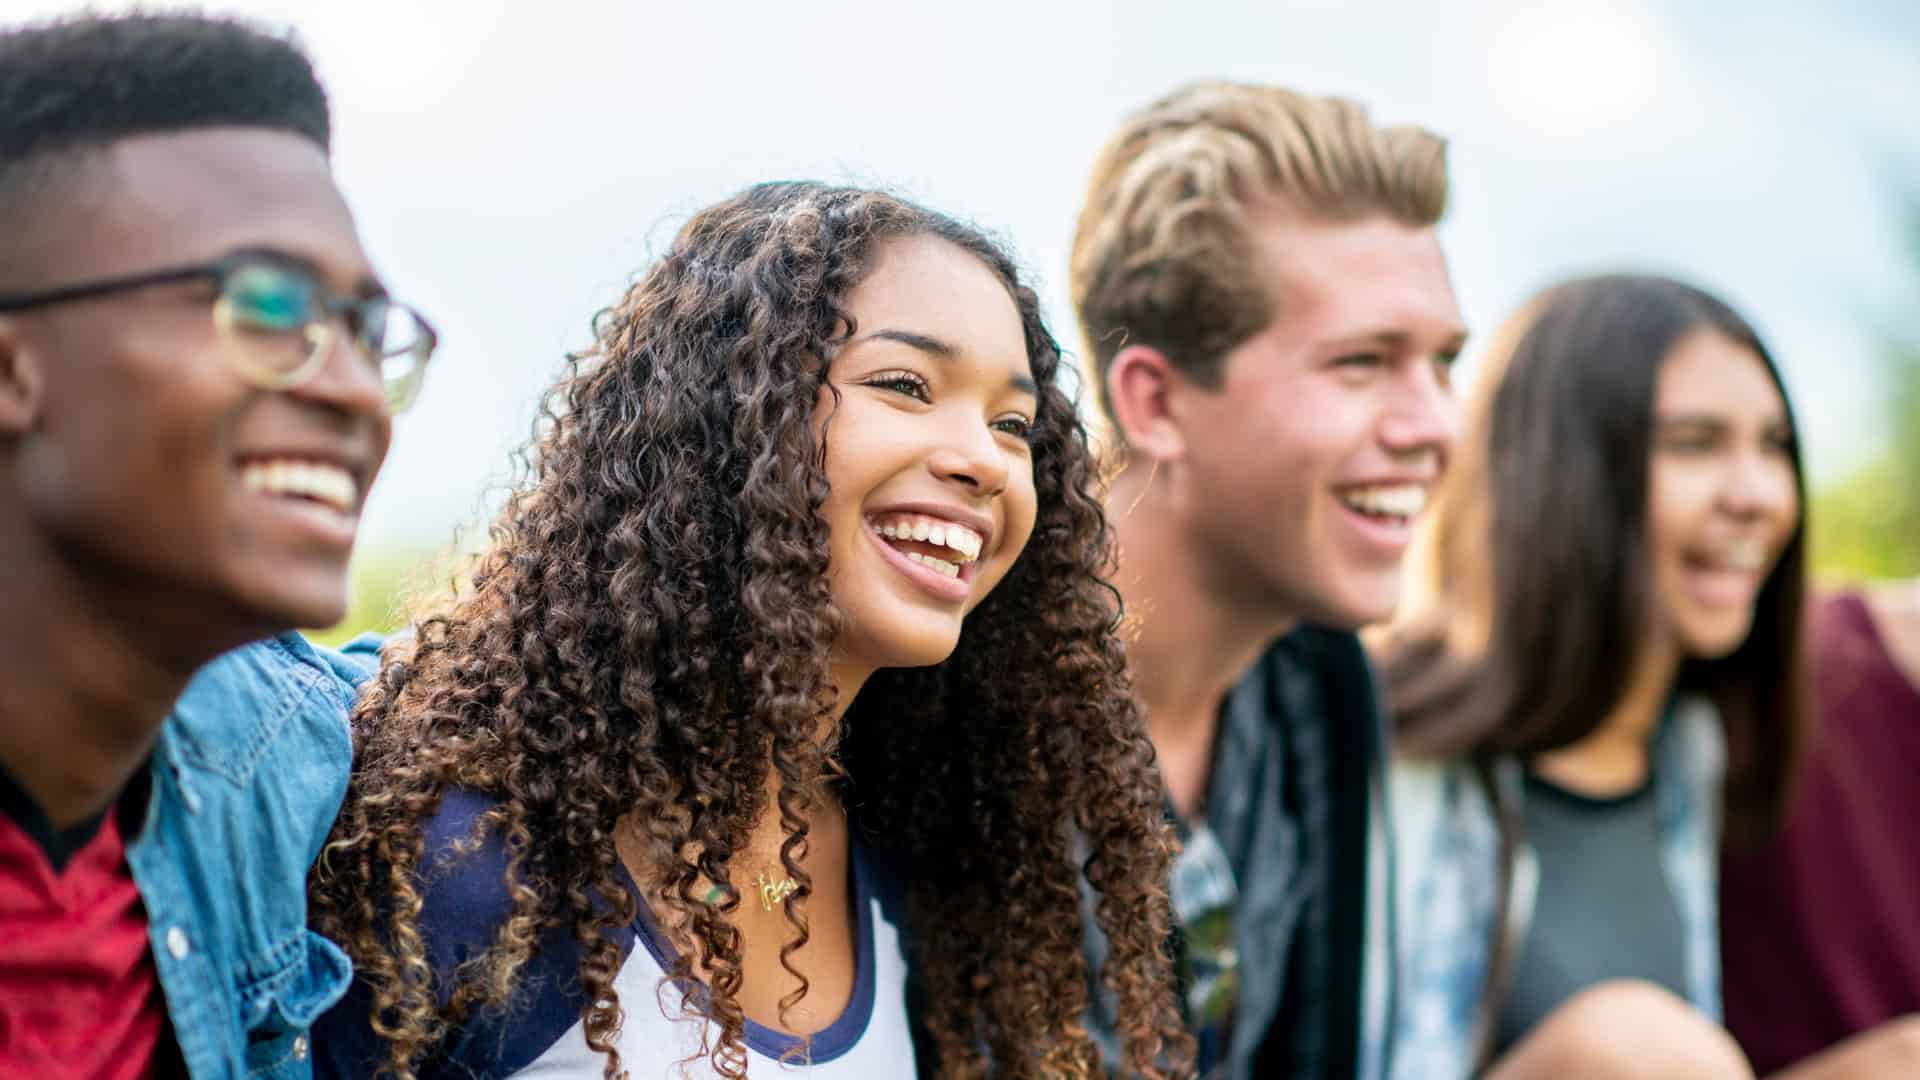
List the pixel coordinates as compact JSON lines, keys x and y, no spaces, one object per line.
{"x":790,"y":671}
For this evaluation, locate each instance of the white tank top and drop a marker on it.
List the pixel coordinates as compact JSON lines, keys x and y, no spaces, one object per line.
{"x":661,"y":1038}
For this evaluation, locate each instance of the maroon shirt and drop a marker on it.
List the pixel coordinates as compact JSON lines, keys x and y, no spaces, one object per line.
{"x":1821,"y":931}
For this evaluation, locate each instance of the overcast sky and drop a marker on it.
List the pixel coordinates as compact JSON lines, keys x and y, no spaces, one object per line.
{"x":514,"y":164}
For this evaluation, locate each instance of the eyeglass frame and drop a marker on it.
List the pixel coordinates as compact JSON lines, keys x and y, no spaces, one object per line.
{"x":330,"y":304}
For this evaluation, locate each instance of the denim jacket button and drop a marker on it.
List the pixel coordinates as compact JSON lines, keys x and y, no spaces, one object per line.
{"x":177,"y":943}
{"x":299,"y":1048}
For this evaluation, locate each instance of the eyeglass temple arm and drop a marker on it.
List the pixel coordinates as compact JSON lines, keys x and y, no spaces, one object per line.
{"x":88,"y":290}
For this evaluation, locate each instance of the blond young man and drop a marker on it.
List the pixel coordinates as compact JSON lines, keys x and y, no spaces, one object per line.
{"x":1271,"y":324}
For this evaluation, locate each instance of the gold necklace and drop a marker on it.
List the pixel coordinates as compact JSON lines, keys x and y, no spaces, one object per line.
{"x":773,"y":892}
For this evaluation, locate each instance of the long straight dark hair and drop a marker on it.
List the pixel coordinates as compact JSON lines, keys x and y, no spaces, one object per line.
{"x":1537,"y":565}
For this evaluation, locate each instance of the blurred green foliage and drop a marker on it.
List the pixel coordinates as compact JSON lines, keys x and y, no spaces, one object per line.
{"x":1867,"y":524}
{"x":387,"y":584}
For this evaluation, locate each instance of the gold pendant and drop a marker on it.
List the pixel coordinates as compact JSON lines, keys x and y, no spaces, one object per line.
{"x":772,"y":893}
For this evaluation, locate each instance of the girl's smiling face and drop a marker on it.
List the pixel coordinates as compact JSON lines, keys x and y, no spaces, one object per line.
{"x":930,"y":475}
{"x":1723,"y":495}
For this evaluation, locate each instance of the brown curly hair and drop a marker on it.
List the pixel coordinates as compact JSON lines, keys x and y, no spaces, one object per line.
{"x":650,"y":632}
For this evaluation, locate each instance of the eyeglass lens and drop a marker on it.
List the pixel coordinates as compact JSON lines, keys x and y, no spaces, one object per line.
{"x":278,"y":315}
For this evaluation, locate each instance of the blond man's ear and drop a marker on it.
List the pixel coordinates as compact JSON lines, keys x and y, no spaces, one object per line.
{"x":1141,"y":386}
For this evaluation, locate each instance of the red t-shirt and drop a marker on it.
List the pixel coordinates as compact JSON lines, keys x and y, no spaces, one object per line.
{"x":79,"y":996}
{"x":1820,"y":935}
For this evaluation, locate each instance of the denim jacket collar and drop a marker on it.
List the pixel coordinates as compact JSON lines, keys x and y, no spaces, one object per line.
{"x":245,"y":779}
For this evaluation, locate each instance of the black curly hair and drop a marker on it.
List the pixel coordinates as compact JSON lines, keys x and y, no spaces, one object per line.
{"x":650,"y":633}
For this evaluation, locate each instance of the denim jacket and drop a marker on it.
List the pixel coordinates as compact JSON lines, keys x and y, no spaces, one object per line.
{"x":1306,"y":717}
{"x":1448,"y":844}
{"x":245,"y":780}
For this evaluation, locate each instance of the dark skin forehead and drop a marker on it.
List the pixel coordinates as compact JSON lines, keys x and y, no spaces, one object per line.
{"x":155,"y":201}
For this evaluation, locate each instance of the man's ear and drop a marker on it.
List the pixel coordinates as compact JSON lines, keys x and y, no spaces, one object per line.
{"x":1140,"y":383}
{"x":21,"y":382}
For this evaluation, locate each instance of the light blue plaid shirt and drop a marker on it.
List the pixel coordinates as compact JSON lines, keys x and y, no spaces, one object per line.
{"x":1448,"y":845}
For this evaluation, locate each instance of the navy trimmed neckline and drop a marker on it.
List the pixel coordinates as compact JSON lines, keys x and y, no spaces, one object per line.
{"x":837,"y":1038}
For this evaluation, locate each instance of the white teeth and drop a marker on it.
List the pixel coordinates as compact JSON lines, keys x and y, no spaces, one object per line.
{"x":953,"y":536}
{"x":1747,"y":558}
{"x":1396,"y":500}
{"x":941,"y":566}
{"x":328,"y":484}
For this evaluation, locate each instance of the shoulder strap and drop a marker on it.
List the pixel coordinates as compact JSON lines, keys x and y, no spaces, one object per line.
{"x":1518,"y":877}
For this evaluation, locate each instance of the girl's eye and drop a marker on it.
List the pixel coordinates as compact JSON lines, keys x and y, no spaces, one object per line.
{"x":902,"y":382}
{"x":1687,"y":444}
{"x":1688,"y":439}
{"x":1017,"y":426}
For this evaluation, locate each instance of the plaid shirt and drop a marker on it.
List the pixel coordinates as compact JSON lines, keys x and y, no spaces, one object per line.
{"x":1448,"y":842}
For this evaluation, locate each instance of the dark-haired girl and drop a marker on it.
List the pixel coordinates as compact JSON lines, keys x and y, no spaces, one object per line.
{"x":1602,"y":684}
{"x":791,"y":671}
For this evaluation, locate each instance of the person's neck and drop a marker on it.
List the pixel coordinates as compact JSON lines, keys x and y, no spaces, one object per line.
{"x":82,"y":693}
{"x":826,"y":817}
{"x":1188,"y":644}
{"x":1616,"y":757}
{"x":827,"y":836}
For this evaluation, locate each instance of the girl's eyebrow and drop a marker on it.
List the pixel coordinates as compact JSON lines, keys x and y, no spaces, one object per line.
{"x":945,"y":350}
{"x":1703,"y":420}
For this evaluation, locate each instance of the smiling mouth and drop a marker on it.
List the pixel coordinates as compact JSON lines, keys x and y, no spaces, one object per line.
{"x":318,"y":483}
{"x":1392,"y":504}
{"x":1749,"y":557}
{"x":1725,"y":577}
{"x":944,"y":547}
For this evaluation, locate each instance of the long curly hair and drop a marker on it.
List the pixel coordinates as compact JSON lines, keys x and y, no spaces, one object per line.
{"x":650,"y":632}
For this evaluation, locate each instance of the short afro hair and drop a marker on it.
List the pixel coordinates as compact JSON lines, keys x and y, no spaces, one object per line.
{"x":81,"y":83}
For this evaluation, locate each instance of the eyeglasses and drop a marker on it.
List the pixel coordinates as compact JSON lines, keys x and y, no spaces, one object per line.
{"x":279,"y":321}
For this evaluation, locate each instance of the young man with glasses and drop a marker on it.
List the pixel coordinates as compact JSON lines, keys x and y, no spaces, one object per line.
{"x":1270,"y":323}
{"x":198,"y":367}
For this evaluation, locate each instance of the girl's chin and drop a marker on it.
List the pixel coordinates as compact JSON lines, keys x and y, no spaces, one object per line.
{"x":905,"y":650}
{"x":1716,"y":642}
{"x":932,"y":656}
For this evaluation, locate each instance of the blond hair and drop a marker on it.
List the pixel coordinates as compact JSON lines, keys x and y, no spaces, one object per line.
{"x":1161,"y":254}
